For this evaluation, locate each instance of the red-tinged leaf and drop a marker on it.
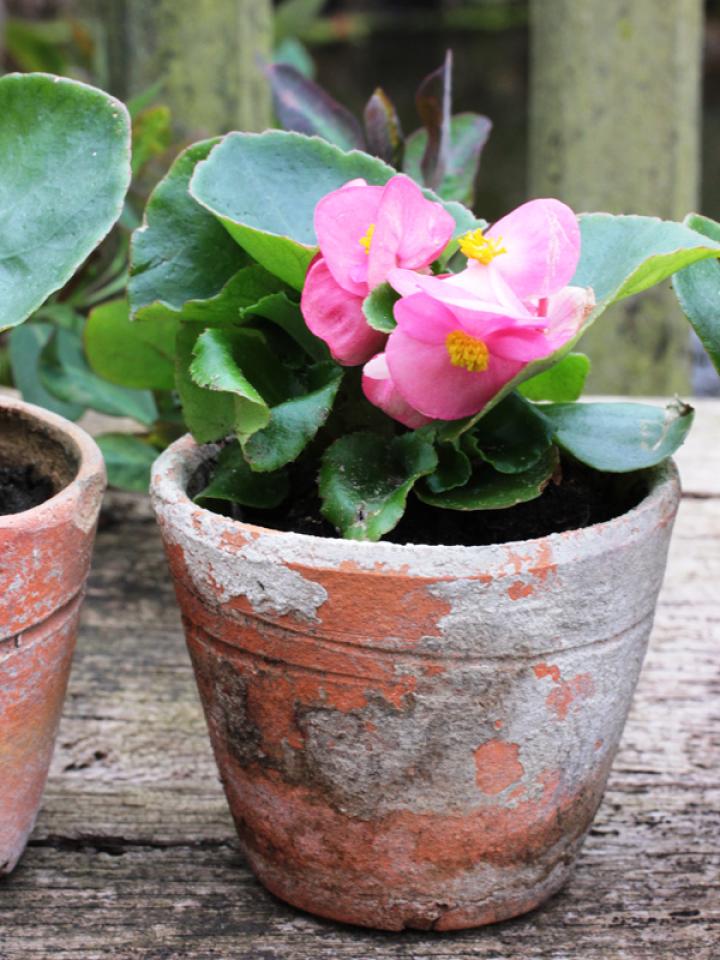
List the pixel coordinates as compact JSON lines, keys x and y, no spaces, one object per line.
{"x":434,"y":103}
{"x":382,"y":129}
{"x":303,"y":106}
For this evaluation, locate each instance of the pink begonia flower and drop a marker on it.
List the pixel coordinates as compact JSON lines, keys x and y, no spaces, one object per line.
{"x":445,"y":363}
{"x":363,"y":233}
{"x":529,"y":254}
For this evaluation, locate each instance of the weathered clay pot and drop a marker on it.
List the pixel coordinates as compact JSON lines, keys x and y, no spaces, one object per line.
{"x":413,"y":736}
{"x":44,"y":559}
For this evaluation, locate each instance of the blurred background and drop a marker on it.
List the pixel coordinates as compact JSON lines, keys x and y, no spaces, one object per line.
{"x":607,"y":104}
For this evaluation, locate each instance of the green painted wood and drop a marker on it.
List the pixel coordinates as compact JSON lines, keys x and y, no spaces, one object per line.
{"x":615,"y":125}
{"x":207,"y":53}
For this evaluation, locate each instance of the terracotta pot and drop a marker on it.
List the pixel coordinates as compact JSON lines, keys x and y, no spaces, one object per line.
{"x":44,"y":559}
{"x":413,"y":736}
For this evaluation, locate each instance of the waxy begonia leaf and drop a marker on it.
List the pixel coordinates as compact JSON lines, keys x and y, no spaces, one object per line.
{"x":65,"y":372}
{"x":295,"y":422}
{"x":698,"y":290}
{"x":233,"y":480}
{"x":209,"y":415}
{"x":26,"y":346}
{"x":128,"y":460}
{"x":251,"y":284}
{"x":618,"y":437}
{"x":215,"y":367}
{"x":131,"y":353}
{"x":378,"y":308}
{"x":512,"y":437}
{"x":453,"y":470}
{"x":303,"y":106}
{"x":382,"y":129}
{"x":365,"y":480}
{"x":293,"y":52}
{"x":264,"y":188}
{"x":468,"y":135}
{"x":620,"y":256}
{"x":180,"y":252}
{"x":279,"y":309}
{"x":562,"y":383}
{"x":433,"y":101}
{"x":64,"y":171}
{"x":489,"y":489}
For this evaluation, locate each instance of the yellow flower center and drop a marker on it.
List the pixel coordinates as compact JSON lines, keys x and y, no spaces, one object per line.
{"x":367,"y":239}
{"x":466,"y":351}
{"x":475,"y":246}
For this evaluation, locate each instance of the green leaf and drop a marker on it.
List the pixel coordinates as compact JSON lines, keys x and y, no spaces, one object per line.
{"x":296,"y":54}
{"x":244,"y":289}
{"x":488,"y":489}
{"x":619,"y":437}
{"x":512,"y":437}
{"x":130,"y":353}
{"x":620,"y":256}
{"x":64,"y":371}
{"x":209,"y":415}
{"x":294,"y":423}
{"x":264,"y":188}
{"x":26,"y":346}
{"x":233,"y":480}
{"x":468,"y":135}
{"x":378,"y":308}
{"x":698,"y":290}
{"x":453,"y":470}
{"x":286,"y":314}
{"x":180,"y":252}
{"x":302,"y":105}
{"x":151,"y":133}
{"x":365,"y":480}
{"x":562,"y":382}
{"x":292,"y":16}
{"x":128,"y":460}
{"x":215,"y":367}
{"x":64,"y":171}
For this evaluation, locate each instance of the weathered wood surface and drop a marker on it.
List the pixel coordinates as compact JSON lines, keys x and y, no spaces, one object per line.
{"x":134,"y":853}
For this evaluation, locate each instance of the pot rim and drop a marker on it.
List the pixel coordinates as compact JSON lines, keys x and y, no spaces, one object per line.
{"x":174,"y":468}
{"x":90,"y":468}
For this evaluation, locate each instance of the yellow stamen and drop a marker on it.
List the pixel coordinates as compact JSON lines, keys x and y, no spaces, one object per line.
{"x":466,"y":351}
{"x":475,"y":246}
{"x":367,"y":239}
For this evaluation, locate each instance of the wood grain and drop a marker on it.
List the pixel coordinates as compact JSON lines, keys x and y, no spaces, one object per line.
{"x":134,"y":853}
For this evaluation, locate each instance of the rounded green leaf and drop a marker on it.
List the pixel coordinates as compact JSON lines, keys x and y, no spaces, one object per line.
{"x":561,"y":383}
{"x":512,"y":437}
{"x":64,"y":172}
{"x":180,"y":252}
{"x":378,"y":308}
{"x":698,"y":290}
{"x":365,"y":480}
{"x":26,"y":346}
{"x":131,"y":353}
{"x":488,"y":489}
{"x":233,"y":480}
{"x":619,"y":437}
{"x":264,"y":188}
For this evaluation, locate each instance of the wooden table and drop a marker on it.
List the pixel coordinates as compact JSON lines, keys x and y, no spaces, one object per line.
{"x":134,"y":854}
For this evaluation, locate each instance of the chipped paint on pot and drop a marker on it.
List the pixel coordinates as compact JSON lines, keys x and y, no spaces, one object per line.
{"x":413,"y":736}
{"x":44,"y":560}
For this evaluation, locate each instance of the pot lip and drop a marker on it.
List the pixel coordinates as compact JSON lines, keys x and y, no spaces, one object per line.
{"x":90,"y":471}
{"x":175,"y":466}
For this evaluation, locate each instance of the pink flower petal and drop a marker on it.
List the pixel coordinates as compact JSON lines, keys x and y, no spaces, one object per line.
{"x":567,"y":311}
{"x":380,"y":390}
{"x":426,"y":379}
{"x":410,"y":231}
{"x":342,"y":219}
{"x":454,"y":290}
{"x":336,"y":316}
{"x":542,"y":239}
{"x":424,"y":319}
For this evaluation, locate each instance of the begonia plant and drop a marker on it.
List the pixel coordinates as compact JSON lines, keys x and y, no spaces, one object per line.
{"x":332,"y":322}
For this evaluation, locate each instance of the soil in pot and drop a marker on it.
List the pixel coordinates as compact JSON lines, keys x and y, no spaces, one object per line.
{"x":22,"y":488}
{"x":579,"y":498}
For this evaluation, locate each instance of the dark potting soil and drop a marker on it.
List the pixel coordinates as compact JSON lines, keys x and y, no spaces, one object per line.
{"x":578,"y":498}
{"x":22,"y":488}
